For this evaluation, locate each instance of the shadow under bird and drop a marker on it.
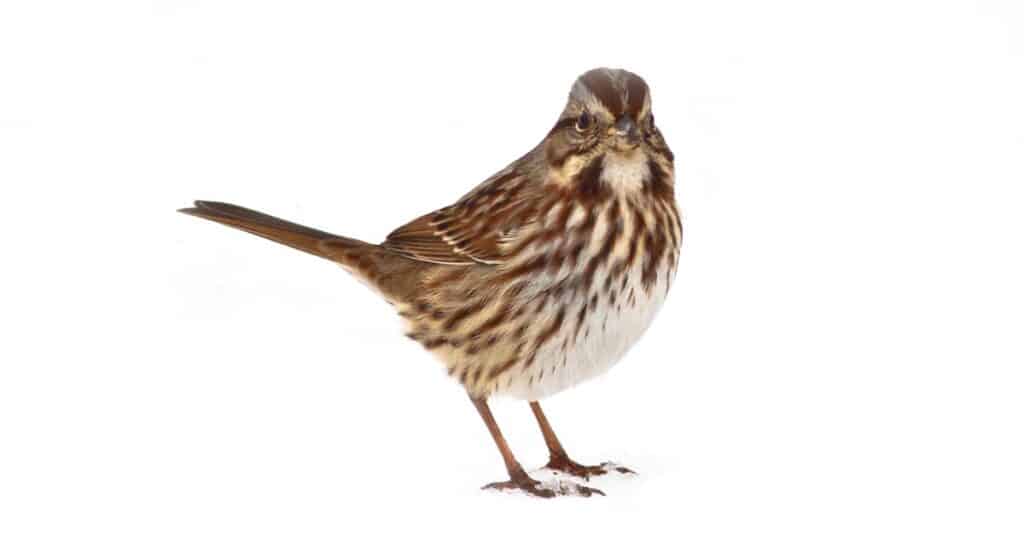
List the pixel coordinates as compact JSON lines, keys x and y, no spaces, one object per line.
{"x":542,"y":276}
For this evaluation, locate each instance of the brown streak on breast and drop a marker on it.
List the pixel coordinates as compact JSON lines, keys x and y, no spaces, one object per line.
{"x":585,"y":228}
{"x":432,"y":343}
{"x":502,"y":368}
{"x":639,"y":228}
{"x":551,"y":329}
{"x":655,"y":251}
{"x":580,"y":319}
{"x":605,"y":252}
{"x":461,"y":314}
{"x":534,"y":264}
{"x":494,"y":321}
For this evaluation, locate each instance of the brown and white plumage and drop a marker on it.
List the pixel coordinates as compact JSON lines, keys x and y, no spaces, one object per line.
{"x":546,"y":273}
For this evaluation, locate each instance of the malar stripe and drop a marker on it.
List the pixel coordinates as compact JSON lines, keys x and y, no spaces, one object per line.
{"x":657,"y":183}
{"x":588,"y":181}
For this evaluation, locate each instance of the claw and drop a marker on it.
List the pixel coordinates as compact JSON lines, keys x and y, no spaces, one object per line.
{"x":584,"y":472}
{"x":544,"y":489}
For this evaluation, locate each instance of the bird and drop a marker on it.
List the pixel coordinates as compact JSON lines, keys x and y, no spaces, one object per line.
{"x":539,"y":278}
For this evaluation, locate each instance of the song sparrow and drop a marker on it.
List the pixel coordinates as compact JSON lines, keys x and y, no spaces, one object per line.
{"x":543,"y":275}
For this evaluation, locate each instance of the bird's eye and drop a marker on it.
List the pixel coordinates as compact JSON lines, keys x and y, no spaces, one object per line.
{"x":584,"y":121}
{"x":650,"y":122}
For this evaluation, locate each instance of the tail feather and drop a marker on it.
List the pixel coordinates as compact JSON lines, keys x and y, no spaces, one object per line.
{"x":293,"y":235}
{"x":394,"y":276}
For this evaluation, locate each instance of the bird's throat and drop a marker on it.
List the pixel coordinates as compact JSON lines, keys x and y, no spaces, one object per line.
{"x":625,"y":171}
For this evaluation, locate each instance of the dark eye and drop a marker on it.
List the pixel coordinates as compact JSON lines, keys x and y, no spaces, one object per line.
{"x":584,"y":121}
{"x":650,"y":122}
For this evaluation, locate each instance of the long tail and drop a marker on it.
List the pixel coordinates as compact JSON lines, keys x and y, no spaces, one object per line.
{"x":306,"y":239}
{"x":393,"y":275}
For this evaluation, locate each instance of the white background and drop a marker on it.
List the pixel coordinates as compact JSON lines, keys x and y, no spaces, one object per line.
{"x":842,"y":352}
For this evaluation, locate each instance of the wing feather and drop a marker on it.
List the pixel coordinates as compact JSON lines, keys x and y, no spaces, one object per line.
{"x":475,"y":230}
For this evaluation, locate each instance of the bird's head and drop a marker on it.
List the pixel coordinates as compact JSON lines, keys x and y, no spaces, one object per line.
{"x":607,"y":124}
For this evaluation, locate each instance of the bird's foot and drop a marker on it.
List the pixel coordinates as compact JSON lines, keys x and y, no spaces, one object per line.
{"x":548,"y":489}
{"x":569,"y":466}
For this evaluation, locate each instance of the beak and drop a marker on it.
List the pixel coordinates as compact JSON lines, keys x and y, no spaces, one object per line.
{"x":627,"y":130}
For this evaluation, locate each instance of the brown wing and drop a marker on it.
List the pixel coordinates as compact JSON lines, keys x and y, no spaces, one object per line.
{"x":474,"y":229}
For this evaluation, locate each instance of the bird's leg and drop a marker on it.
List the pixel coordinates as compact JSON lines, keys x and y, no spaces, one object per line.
{"x":518,"y":478}
{"x":560,"y":461}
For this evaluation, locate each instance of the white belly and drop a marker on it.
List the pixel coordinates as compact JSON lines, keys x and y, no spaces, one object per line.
{"x":606,"y":334}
